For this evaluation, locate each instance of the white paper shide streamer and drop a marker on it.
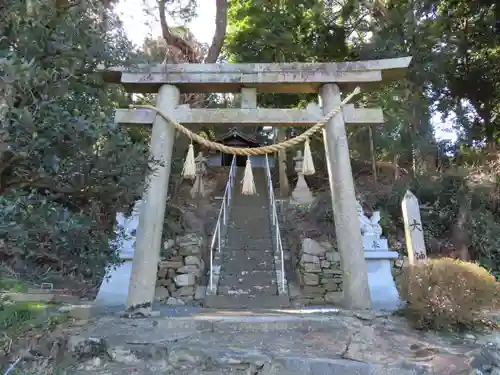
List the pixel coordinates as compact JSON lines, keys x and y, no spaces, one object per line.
{"x":248,"y":183}
{"x":189,"y":170}
{"x":308,"y":164}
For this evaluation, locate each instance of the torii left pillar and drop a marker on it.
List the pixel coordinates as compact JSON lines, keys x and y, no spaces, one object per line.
{"x":149,"y":233}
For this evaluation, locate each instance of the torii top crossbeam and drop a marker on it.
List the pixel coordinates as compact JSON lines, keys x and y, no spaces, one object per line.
{"x":266,"y":78}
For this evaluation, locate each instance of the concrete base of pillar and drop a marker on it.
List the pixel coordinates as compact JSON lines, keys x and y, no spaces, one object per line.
{"x":114,"y":289}
{"x":383,"y":291}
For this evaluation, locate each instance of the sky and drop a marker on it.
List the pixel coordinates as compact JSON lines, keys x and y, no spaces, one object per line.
{"x":138,"y":25}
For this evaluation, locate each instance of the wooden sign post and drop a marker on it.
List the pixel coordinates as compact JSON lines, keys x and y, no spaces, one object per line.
{"x":414,"y":231}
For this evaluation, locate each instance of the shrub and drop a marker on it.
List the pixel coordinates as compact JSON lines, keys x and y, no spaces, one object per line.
{"x":447,"y":294}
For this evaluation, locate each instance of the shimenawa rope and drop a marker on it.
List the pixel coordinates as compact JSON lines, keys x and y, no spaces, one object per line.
{"x":248,"y":184}
{"x":242,"y":151}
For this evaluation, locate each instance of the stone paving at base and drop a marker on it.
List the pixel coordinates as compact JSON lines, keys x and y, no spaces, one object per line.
{"x":209,"y":342}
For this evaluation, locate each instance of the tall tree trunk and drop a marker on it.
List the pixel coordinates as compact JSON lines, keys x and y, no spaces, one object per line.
{"x":220,"y":32}
{"x":459,"y":236}
{"x":372,"y":152}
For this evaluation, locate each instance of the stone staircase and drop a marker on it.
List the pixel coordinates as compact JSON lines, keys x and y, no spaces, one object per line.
{"x":247,"y":277}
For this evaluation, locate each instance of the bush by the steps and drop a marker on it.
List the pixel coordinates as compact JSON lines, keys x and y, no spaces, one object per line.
{"x":447,"y":294}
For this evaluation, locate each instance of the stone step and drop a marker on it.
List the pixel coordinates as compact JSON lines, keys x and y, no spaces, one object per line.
{"x":237,"y":276}
{"x":248,"y":217}
{"x":250,"y":290}
{"x":264,"y":285}
{"x":250,"y":256}
{"x":237,"y":267}
{"x":247,"y":249}
{"x":247,"y":302}
{"x":257,"y":241}
{"x":261,"y":237}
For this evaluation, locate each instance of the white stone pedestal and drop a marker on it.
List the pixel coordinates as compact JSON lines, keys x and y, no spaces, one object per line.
{"x":383,"y":291}
{"x":301,"y":195}
{"x":114,"y":288}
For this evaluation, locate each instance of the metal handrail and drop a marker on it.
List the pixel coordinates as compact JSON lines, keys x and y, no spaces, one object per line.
{"x":275,"y":223}
{"x":222,"y":219}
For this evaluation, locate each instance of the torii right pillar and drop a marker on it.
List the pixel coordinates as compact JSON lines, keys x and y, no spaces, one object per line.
{"x":348,"y":233}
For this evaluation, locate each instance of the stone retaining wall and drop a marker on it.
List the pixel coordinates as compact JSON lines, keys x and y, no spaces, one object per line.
{"x":319,"y":273}
{"x":180,"y":272}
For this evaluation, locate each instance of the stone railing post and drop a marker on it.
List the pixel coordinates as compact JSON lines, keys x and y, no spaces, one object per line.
{"x":347,"y":229}
{"x":149,"y":233}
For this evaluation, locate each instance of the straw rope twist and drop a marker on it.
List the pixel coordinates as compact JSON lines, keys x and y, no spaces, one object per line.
{"x":244,"y":151}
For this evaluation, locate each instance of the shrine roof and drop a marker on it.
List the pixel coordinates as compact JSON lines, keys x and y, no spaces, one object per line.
{"x":234,"y":134}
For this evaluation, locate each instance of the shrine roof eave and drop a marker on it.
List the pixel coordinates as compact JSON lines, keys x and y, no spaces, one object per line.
{"x":235,"y":134}
{"x":267,"y":78}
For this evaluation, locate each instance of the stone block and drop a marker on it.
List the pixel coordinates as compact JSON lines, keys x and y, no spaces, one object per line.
{"x":172,"y":288}
{"x":334,"y":297}
{"x":333,"y":256}
{"x":175,"y":258}
{"x":200,"y":292}
{"x":171,"y":273}
{"x":175,"y":301}
{"x":161,"y":293}
{"x":332,"y":273}
{"x":171,"y":264}
{"x":312,"y":267}
{"x":374,"y":243}
{"x":325,"y":264}
{"x":293,"y":291}
{"x":332,"y":285}
{"x":185,"y":291}
{"x":162,"y":282}
{"x":162,"y":273}
{"x":168,"y":244}
{"x":189,"y":269}
{"x":327,"y":246}
{"x":307,"y":258}
{"x":318,"y":301}
{"x":309,"y":246}
{"x":189,"y":240}
{"x":310,"y":279}
{"x":191,"y":260}
{"x":190,"y":250}
{"x":186,"y":279}
{"x":313,"y":291}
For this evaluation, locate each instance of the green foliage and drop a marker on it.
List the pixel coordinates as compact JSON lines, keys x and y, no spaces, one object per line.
{"x":64,"y":167}
{"x":442,"y":198}
{"x":46,"y":231}
{"x":483,"y":230}
{"x":293,"y":30}
{"x":446,"y":294}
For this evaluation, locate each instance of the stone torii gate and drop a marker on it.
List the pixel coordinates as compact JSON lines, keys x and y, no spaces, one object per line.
{"x":170,"y":80}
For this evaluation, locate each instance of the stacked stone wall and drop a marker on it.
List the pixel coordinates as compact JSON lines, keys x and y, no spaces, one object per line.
{"x":181,"y":271}
{"x":319,"y":273}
